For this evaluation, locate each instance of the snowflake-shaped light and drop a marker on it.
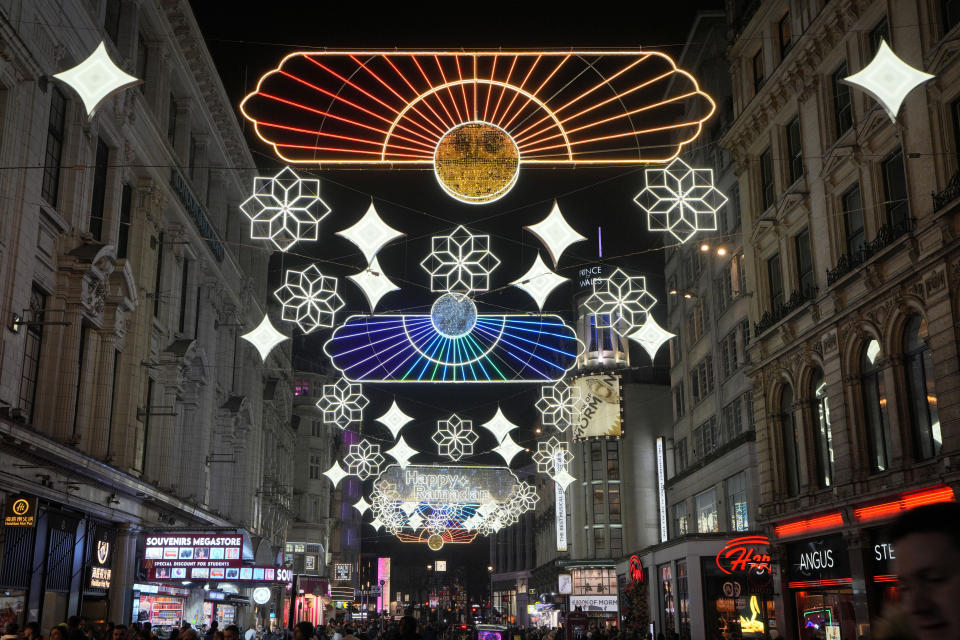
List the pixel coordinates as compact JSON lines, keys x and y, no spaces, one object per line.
{"x":680,"y":200}
{"x":342,"y":403}
{"x":364,"y":459}
{"x":309,"y":298}
{"x":455,"y":437}
{"x":620,"y":302}
{"x":888,"y":79}
{"x":560,"y":405}
{"x":539,"y":282}
{"x":552,"y":456}
{"x":370,"y":233}
{"x":651,"y":336}
{"x":524,"y":497}
{"x":264,"y":337}
{"x":437,"y":522}
{"x":96,"y":79}
{"x":460,"y":262}
{"x":285,"y":209}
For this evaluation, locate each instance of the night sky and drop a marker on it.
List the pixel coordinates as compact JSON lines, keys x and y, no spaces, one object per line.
{"x":246,"y":45}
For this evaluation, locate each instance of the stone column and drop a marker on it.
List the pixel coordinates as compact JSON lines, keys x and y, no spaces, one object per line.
{"x":123,"y":574}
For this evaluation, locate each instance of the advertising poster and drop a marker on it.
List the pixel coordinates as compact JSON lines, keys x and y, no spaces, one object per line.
{"x":600,"y":416}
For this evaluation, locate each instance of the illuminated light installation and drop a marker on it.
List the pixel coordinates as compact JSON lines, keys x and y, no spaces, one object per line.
{"x":342,"y":403}
{"x":370,"y":234}
{"x":507,"y":449}
{"x":432,"y":108}
{"x":285,"y":209}
{"x":96,"y":79}
{"x":361,"y":505}
{"x":264,"y":337}
{"x":905,"y":502}
{"x":455,"y":437}
{"x":309,"y":299}
{"x":560,"y":405}
{"x":499,"y":425}
{"x":460,"y":262}
{"x":888,"y":79}
{"x":680,"y":200}
{"x":374,"y":283}
{"x":364,"y":459}
{"x":335,"y":473}
{"x":651,"y":336}
{"x":808,"y":525}
{"x":539,"y":282}
{"x":402,"y":452}
{"x":552,"y":458}
{"x":620,"y":302}
{"x":394,"y":419}
{"x":555,"y":233}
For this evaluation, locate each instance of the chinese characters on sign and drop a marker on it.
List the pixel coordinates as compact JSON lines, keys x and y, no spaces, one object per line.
{"x":21,"y":511}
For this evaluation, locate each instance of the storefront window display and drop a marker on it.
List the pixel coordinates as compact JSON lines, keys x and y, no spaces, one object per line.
{"x":819,"y":577}
{"x":683,"y":600}
{"x":667,"y":606}
{"x":737,"y":605}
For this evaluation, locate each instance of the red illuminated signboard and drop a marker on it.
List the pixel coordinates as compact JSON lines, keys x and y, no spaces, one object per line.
{"x":745,"y":555}
{"x":636,"y":569}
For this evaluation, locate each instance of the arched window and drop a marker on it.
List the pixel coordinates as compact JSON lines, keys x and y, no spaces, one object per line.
{"x":823,"y":439}
{"x":918,"y":364}
{"x":788,"y":435}
{"x":875,"y":406}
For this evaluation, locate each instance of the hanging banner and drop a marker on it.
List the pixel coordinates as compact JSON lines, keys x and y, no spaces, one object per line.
{"x":600,"y":416}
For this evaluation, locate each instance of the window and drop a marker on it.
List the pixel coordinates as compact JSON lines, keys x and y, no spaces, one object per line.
{"x":758,"y":70}
{"x":853,"y":221}
{"x":599,"y":510}
{"x":745,"y":337}
{"x":951,"y":14}
{"x":123,"y":233}
{"x":680,"y":454}
{"x":823,"y":438}
{"x":707,"y":521}
{"x":766,"y":180}
{"x":172,"y":121}
{"x":683,"y":600}
{"x":613,"y":460}
{"x":194,"y":157}
{"x":737,"y":502}
{"x":599,"y":542}
{"x":706,"y":438}
{"x":315,"y":467}
{"x":98,"y":201}
{"x":918,"y":364}
{"x":613,"y":503}
{"x":739,"y":275}
{"x":681,"y":521}
{"x":788,"y":437}
{"x":805,"y":277}
{"x":878,"y":34}
{"x":31,"y":352}
{"x":316,"y":429}
{"x":54,"y":149}
{"x":842,"y":107}
{"x":616,"y":542}
{"x":734,"y":205}
{"x":184,"y":285}
{"x":699,"y":319}
{"x":728,"y":353}
{"x":794,"y":150}
{"x":596,"y":460}
{"x":784,"y":35}
{"x":676,"y":352}
{"x":158,"y":279}
{"x":874,"y":406}
{"x":775,"y":282}
{"x":732,"y":419}
{"x":724,"y":289}
{"x":701,"y":379}
{"x":111,"y":20}
{"x":895,"y":192}
{"x":678,"y":400}
{"x":666,"y":597}
{"x":143,"y":55}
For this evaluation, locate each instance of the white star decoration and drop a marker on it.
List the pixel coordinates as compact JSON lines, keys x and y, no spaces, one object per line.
{"x":651,"y":336}
{"x":563,"y":478}
{"x":402,"y":452}
{"x":460,"y":262}
{"x":539,"y":282}
{"x":361,"y":505}
{"x":560,"y":405}
{"x":888,"y":79}
{"x":342,"y":403}
{"x":680,"y":200}
{"x":374,"y":283}
{"x":499,"y":425}
{"x":309,"y":298}
{"x":620,"y":302}
{"x":285,"y":209}
{"x":394,"y":419}
{"x":96,"y":79}
{"x":370,"y":233}
{"x":555,"y":233}
{"x":508,"y":449}
{"x":335,"y":473}
{"x":264,"y":338}
{"x":455,"y":437}
{"x":364,"y":459}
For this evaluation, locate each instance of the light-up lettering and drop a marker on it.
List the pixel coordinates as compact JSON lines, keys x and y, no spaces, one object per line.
{"x":744,"y":554}
{"x":884,"y":551}
{"x":816,"y":560}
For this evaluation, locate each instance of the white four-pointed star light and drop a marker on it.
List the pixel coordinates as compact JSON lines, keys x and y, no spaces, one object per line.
{"x":539,"y":281}
{"x":563,"y":478}
{"x":264,"y":338}
{"x":370,"y":233}
{"x":555,"y":233}
{"x":455,"y":437}
{"x":361,"y":505}
{"x":285,"y":209}
{"x":309,"y":298}
{"x":364,"y":459}
{"x":651,"y":336}
{"x":620,"y":302}
{"x":335,"y":473}
{"x":560,"y":405}
{"x":374,"y":283}
{"x":499,"y":425}
{"x":888,"y":79}
{"x":508,"y":449}
{"x":394,"y":419}
{"x":460,"y":262}
{"x":96,"y":79}
{"x":342,"y":403}
{"x":680,"y":200}
{"x":377,"y":524}
{"x":402,"y":452}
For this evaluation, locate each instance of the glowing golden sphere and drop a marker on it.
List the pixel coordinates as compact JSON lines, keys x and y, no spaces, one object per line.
{"x":476,"y":162}
{"x":435,"y":542}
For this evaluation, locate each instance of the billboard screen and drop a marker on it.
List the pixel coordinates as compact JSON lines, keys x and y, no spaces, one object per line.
{"x":600,"y":416}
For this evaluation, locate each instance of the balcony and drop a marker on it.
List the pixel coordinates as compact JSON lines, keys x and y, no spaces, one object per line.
{"x":797,"y":300}
{"x":887,"y":235}
{"x":950,"y":193}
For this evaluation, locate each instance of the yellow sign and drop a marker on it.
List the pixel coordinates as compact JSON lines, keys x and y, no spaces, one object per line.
{"x":600,"y":414}
{"x":21,"y":512}
{"x":753,"y":625}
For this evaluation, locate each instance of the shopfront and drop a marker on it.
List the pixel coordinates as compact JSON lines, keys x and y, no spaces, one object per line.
{"x":819,"y":588}
{"x":738,"y":591}
{"x":161,"y":605}
{"x":312,"y":600}
{"x":594,"y":592}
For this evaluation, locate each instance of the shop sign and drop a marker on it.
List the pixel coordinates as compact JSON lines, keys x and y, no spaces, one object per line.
{"x":101,"y":555}
{"x":600,"y":416}
{"x":636,"y":569}
{"x":882,"y":554}
{"x":342,"y":571}
{"x":440,"y":565}
{"x":20,"y":511}
{"x":243,"y":574}
{"x":261,"y":595}
{"x":214,"y":595}
{"x":818,"y":559}
{"x":594,"y":603}
{"x":565,"y":583}
{"x":184,"y":553}
{"x":747,"y":554}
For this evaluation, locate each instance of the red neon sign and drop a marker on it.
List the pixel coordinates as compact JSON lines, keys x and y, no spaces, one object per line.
{"x":827,"y":521}
{"x":743,"y":554}
{"x":636,"y":569}
{"x":905,"y":502}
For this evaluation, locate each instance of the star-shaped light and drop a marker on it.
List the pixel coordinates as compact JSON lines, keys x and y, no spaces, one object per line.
{"x":377,"y":524}
{"x":563,"y":478}
{"x":499,"y":425}
{"x":524,"y":497}
{"x":285,"y":209}
{"x":364,"y":459}
{"x":560,"y":405}
{"x":264,"y":338}
{"x":402,"y":452}
{"x":508,"y":449}
{"x":394,"y":419}
{"x":96,"y":79}
{"x":361,"y":505}
{"x":309,"y":298}
{"x":460,"y":262}
{"x":335,"y":473}
{"x":888,"y":79}
{"x":370,"y":233}
{"x":552,"y":456}
{"x":455,"y":437}
{"x":620,"y":302}
{"x":342,"y":403}
{"x":374,"y":283}
{"x":680,"y":200}
{"x":539,"y":282}
{"x":555,"y":233}
{"x":651,"y":336}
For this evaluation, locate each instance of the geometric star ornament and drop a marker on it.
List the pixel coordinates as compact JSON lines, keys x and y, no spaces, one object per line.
{"x":361,"y":505}
{"x":402,"y":452}
{"x":651,"y":336}
{"x":394,"y":419}
{"x":373,"y":283}
{"x":285,"y":209}
{"x":508,"y":449}
{"x":680,"y":200}
{"x":888,"y":79}
{"x":370,"y":233}
{"x":96,"y":79}
{"x":460,"y":262}
{"x":552,"y":456}
{"x":455,"y":437}
{"x":342,"y":403}
{"x":264,"y":338}
{"x":621,"y":302}
{"x":309,"y":298}
{"x":539,"y":282}
{"x":335,"y":473}
{"x":555,"y":233}
{"x":560,"y":405}
{"x":364,"y":459}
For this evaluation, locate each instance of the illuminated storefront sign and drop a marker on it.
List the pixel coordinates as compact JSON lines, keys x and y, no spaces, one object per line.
{"x":383,"y":582}
{"x":746,"y":554}
{"x":661,"y":490}
{"x":184,"y":556}
{"x":819,"y":562}
{"x":101,"y":556}
{"x":636,"y":569}
{"x":20,"y":511}
{"x":600,"y":415}
{"x":594,"y":603}
{"x":342,"y":571}
{"x":243,"y":574}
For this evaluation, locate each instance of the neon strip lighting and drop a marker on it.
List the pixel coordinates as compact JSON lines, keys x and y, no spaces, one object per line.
{"x":386,"y":85}
{"x":905,"y":502}
{"x":818,"y":523}
{"x":808,"y":584}
{"x":887,"y":577}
